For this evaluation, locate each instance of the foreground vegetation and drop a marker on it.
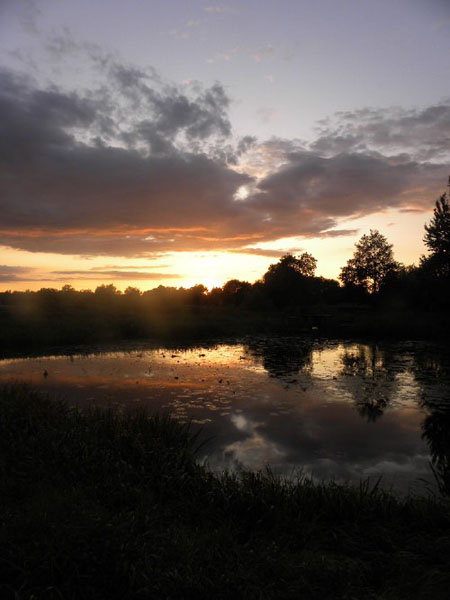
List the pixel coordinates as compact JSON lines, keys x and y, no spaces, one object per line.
{"x":107,"y":505}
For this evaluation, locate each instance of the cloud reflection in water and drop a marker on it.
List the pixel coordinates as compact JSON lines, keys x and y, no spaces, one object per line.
{"x":332,"y":410}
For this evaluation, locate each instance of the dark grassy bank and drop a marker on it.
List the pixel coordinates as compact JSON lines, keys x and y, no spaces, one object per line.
{"x":102,"y":505}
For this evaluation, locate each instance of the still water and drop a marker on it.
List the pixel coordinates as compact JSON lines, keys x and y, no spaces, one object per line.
{"x":334,"y":410}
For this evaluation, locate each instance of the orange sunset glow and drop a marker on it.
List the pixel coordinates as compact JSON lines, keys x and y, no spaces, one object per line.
{"x":121,"y":166}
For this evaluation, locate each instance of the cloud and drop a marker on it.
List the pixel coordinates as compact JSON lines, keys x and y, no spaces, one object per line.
{"x":220,"y":9}
{"x":267,"y":252}
{"x":423,"y":134}
{"x":311,"y":187}
{"x":128,"y":267}
{"x":27,"y":12}
{"x":225,"y":56}
{"x":268,"y":114}
{"x":139,"y":166}
{"x":263,"y":52}
{"x":13,"y":273}
{"x":256,"y":54}
{"x":113,"y":274}
{"x":27,"y":274}
{"x":164,"y":112}
{"x":67,"y":193}
{"x":184,"y":31}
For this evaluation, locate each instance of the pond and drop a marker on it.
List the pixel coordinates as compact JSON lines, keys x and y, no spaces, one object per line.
{"x":344,"y":411}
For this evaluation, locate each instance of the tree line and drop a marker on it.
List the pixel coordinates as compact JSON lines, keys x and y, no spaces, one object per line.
{"x":371,"y":277}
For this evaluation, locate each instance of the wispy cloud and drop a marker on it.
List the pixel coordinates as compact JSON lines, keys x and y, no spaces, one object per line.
{"x":256,"y":54}
{"x":221,"y":9}
{"x":225,"y":56}
{"x":268,"y":252}
{"x":420,"y":133}
{"x":14,"y":273}
{"x":268,"y":114}
{"x":27,"y":274}
{"x":263,"y":52}
{"x":113,"y":274}
{"x":184,"y":31}
{"x":27,"y":12}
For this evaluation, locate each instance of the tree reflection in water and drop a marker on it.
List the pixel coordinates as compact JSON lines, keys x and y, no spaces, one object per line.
{"x":431,"y":369}
{"x":283,"y":359}
{"x":369,"y":374}
{"x":432,"y":373}
{"x":436,"y":432}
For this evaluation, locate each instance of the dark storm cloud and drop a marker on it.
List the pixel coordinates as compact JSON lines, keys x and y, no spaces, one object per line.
{"x":104,"y":197}
{"x":345,"y":185}
{"x":138,"y":167}
{"x":34,"y":121}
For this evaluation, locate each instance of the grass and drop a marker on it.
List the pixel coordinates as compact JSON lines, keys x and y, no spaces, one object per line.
{"x":109,"y":505}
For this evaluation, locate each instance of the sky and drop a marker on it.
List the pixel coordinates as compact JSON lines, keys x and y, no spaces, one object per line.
{"x":177,"y":142}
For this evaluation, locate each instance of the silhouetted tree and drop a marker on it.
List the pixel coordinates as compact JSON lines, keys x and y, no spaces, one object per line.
{"x":437,"y":239}
{"x":305,"y":265}
{"x":132,"y":292}
{"x":196,"y":294}
{"x":235,"y":291}
{"x":372,"y":262}
{"x":286,"y":281}
{"x":106,"y":291}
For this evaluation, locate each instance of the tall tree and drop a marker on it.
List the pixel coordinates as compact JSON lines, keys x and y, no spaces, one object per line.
{"x":304,"y":265}
{"x":437,"y":238}
{"x":372,"y":262}
{"x":287,"y":282}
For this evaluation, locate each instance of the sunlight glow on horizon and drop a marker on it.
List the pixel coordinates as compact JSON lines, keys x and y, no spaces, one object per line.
{"x":147,"y":150}
{"x":214,"y":268}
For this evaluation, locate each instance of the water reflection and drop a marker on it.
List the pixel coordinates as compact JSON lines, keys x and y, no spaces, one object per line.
{"x":369,"y":373}
{"x":284,"y":358}
{"x":431,"y":369}
{"x":432,"y":372}
{"x":287,"y":402}
{"x":436,"y":431}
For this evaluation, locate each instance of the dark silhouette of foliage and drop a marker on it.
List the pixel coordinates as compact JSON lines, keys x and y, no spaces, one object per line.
{"x":437,"y":239}
{"x":372,"y":262}
{"x":304,"y":265}
{"x":235,"y":292}
{"x":287,"y":282}
{"x":436,"y":432}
